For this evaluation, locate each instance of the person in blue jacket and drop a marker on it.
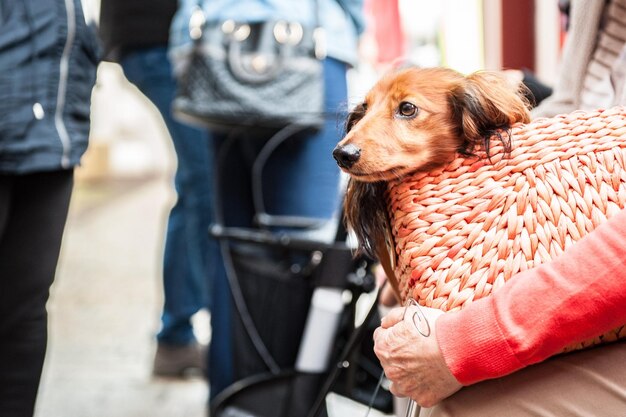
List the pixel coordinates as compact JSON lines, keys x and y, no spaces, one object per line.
{"x":299,"y":178}
{"x":48,"y":60}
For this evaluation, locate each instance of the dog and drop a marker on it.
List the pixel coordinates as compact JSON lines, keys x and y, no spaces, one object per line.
{"x":419,"y":119}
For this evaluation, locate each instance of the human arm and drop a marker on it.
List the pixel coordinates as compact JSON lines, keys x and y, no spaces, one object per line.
{"x":577,"y":296}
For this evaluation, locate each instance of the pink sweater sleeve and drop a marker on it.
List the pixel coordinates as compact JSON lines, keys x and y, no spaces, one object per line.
{"x":577,"y":296}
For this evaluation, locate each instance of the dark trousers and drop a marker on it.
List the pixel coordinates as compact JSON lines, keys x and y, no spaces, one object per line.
{"x":33,"y":211}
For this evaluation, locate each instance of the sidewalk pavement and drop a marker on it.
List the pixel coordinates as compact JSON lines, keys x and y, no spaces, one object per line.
{"x":104,"y":309}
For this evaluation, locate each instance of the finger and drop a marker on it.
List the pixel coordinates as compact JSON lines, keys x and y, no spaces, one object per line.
{"x":392,"y":318}
{"x":393,"y":389}
{"x":377,"y":334}
{"x":380,"y":343}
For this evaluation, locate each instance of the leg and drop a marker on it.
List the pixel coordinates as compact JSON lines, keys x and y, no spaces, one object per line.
{"x":582,"y":384}
{"x":33,"y":211}
{"x":302,"y":178}
{"x":190,"y":254}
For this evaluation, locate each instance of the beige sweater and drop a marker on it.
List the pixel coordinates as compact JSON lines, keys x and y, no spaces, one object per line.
{"x":593,"y":66}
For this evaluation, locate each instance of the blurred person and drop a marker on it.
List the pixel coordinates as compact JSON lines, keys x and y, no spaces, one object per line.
{"x":48,"y":59}
{"x":384,"y":42}
{"x":300,"y":178}
{"x":135,"y":34}
{"x":593,"y":64}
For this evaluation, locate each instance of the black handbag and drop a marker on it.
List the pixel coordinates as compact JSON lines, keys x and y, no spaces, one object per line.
{"x":266,"y":74}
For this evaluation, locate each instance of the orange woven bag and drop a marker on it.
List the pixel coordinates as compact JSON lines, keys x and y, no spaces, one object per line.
{"x":461,"y":232}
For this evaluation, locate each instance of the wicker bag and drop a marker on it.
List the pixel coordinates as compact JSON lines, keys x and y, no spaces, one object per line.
{"x":461,"y":232}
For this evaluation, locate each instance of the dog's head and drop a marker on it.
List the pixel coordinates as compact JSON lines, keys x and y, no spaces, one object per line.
{"x":416,"y":120}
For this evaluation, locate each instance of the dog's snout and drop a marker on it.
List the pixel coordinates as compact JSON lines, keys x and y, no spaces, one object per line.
{"x":346,"y":155}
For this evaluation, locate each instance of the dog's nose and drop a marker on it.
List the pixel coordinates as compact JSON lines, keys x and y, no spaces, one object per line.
{"x":346,"y":155}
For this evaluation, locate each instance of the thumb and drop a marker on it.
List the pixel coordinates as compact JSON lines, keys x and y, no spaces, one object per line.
{"x":392,"y":318}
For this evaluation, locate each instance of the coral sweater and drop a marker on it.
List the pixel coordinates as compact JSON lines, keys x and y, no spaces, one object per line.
{"x":577,"y":296}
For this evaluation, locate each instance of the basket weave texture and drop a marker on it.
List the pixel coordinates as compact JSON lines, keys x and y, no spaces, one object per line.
{"x":461,"y":232}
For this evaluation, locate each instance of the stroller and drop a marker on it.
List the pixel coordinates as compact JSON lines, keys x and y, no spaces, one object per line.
{"x":298,"y":294}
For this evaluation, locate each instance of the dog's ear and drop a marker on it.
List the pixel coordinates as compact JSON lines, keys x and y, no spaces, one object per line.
{"x":485,"y":105}
{"x":365,"y":214}
{"x":355,"y":115}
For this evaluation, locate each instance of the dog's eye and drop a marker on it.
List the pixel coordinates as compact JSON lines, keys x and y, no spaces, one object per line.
{"x":407,"y":109}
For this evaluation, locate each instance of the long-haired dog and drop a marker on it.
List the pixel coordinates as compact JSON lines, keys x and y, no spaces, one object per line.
{"x":418,"y":119}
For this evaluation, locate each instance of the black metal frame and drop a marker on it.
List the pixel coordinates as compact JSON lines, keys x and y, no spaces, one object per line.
{"x":340,"y":270}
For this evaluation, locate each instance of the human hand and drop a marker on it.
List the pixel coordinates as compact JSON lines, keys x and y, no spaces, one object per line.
{"x":413,"y":363}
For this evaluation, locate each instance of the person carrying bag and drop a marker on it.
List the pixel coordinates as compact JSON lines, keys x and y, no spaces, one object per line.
{"x":298,"y":177}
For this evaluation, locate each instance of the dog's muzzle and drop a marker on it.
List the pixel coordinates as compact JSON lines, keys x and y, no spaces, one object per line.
{"x":346,"y":155}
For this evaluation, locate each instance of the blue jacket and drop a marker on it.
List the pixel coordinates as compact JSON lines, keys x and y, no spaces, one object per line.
{"x":48,"y":59}
{"x":342,"y":20}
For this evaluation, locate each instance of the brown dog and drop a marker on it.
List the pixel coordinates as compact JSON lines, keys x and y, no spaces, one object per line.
{"x":417,"y":120}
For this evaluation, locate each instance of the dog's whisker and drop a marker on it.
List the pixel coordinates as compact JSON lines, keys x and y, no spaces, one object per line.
{"x":398,"y":174}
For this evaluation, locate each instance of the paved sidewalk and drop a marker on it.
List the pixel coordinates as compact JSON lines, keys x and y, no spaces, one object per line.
{"x":104,"y":309}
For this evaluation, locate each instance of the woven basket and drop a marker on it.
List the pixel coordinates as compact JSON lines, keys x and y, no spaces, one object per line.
{"x":461,"y":232}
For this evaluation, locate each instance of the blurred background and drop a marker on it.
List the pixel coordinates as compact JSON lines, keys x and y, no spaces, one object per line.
{"x":105,"y":303}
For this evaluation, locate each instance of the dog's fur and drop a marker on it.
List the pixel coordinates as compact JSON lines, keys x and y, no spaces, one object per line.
{"x":447,"y":114}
